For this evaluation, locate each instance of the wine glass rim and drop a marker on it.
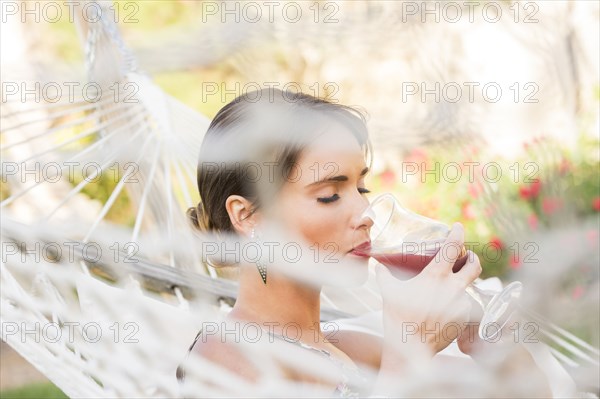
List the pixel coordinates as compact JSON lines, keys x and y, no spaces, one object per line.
{"x":397,"y":206}
{"x":430,"y":245}
{"x":378,"y":199}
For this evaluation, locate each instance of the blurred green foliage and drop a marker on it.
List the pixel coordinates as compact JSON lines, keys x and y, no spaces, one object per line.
{"x":34,"y":391}
{"x":568,"y":182}
{"x":101,"y":187}
{"x":548,"y":186}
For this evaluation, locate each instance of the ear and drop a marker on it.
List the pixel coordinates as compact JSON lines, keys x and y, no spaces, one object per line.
{"x":239,"y":210}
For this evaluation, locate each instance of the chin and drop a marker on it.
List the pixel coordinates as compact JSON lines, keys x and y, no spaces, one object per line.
{"x":353,"y":271}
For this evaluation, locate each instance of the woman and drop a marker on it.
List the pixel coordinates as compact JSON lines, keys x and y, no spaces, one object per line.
{"x":309,"y":162}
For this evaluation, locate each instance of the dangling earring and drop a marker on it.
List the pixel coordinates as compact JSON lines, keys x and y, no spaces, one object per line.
{"x":262,"y":269}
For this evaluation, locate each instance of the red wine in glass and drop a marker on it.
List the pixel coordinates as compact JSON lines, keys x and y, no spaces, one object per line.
{"x":413,"y":263}
{"x":412,"y":260}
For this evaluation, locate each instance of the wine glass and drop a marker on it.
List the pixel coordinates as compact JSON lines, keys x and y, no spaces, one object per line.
{"x":406,"y":242}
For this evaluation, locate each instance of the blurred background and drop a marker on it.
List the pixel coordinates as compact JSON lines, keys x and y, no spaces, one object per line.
{"x":483,"y":113}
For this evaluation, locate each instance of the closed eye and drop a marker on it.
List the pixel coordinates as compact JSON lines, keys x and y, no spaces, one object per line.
{"x":327,"y":200}
{"x":335,"y":197}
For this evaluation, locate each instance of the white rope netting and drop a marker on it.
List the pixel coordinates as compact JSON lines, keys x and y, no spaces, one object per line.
{"x":106,"y":311}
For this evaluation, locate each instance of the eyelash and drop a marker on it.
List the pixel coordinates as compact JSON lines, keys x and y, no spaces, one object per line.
{"x":336,"y":197}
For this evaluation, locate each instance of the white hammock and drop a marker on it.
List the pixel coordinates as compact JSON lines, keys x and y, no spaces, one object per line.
{"x":120,"y":323}
{"x":162,"y":136}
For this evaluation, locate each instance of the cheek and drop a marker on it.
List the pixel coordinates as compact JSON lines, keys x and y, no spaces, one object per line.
{"x":320,"y":224}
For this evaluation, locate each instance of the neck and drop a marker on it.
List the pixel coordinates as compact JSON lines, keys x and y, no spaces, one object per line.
{"x":282,"y":301}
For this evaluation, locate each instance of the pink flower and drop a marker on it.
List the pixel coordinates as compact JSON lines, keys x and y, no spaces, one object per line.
{"x":475,"y":189}
{"x":532,"y":220}
{"x":577,"y":292}
{"x":551,"y":205}
{"x":468,"y":211}
{"x":417,"y":155}
{"x":474,"y":149}
{"x":592,"y":237}
{"x":515,"y":262}
{"x":388,"y":178}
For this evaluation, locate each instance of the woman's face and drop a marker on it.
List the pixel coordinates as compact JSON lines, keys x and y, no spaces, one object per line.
{"x":325,"y":197}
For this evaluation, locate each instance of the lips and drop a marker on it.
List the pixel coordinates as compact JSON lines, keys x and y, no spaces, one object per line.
{"x":362,"y":249}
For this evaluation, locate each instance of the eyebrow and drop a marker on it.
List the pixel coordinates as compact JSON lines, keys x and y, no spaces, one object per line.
{"x":334,"y":179}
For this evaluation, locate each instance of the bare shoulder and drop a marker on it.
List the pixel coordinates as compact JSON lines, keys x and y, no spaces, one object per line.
{"x":226,"y":354}
{"x":363,"y":348}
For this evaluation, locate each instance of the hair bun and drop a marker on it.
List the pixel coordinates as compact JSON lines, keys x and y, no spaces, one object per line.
{"x":195,"y":215}
{"x":197,"y":218}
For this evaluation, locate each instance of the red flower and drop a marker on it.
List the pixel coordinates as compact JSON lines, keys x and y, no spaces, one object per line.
{"x":596,"y":204}
{"x":536,"y":186}
{"x":524,"y":192}
{"x":495,"y":242}
{"x":531,"y":191}
{"x":577,"y":292}
{"x":532,"y":220}
{"x":551,"y":205}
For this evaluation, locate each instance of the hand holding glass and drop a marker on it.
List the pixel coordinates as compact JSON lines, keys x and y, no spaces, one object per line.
{"x":405,"y":241}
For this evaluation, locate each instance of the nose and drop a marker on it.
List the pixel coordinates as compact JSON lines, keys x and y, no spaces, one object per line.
{"x":364,"y":220}
{"x":367,"y":222}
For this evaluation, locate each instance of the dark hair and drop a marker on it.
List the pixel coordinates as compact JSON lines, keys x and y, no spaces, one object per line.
{"x":268,"y":125}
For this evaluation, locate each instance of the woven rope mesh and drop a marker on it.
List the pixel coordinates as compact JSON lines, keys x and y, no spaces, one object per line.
{"x":106,"y":304}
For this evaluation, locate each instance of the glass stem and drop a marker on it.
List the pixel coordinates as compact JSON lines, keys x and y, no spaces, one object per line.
{"x":482,"y":297}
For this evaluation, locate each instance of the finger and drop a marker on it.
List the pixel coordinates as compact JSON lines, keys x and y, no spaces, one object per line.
{"x":471,"y":270}
{"x":460,"y":312}
{"x":452,"y":296}
{"x":468,"y":340}
{"x":450,"y":251}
